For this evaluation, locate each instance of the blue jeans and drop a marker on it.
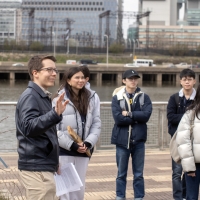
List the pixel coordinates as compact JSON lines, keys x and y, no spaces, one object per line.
{"x":137,"y":153}
{"x":179,"y":186}
{"x":193,"y":185}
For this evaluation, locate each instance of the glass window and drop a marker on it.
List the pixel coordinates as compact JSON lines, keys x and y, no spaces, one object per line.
{"x":86,"y":3}
{"x":91,"y":8}
{"x":72,"y":3}
{"x":80,"y":8}
{"x":77,"y":8}
{"x":79,"y":3}
{"x":101,"y":3}
{"x":75,"y":3}
{"x":97,"y":3}
{"x":69,"y":8}
{"x":73,"y":8}
{"x":88,"y":9}
{"x":93,"y":3}
{"x":90,"y":3}
{"x":95,"y":9}
{"x":82,"y":3}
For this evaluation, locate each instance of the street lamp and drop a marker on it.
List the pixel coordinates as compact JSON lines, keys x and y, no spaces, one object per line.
{"x":107,"y":49}
{"x":133,"y":49}
{"x":54,"y":43}
{"x":77,"y":44}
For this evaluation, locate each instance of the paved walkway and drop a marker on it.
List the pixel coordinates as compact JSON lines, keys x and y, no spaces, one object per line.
{"x":100,"y":180}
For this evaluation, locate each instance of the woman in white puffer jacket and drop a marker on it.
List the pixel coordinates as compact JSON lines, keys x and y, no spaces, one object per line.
{"x":83,"y":115}
{"x":189,"y":147}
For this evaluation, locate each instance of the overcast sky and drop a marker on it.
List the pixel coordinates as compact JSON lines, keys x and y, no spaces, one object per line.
{"x":129,"y":5}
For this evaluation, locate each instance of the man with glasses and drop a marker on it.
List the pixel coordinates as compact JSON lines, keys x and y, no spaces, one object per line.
{"x":36,"y":131}
{"x":131,"y":110}
{"x":176,"y":107}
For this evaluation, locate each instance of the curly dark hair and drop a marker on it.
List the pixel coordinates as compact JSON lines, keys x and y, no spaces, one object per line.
{"x":35,"y":63}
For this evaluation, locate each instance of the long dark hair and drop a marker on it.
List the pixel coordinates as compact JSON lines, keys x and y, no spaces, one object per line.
{"x":81,"y":101}
{"x":196,"y":104}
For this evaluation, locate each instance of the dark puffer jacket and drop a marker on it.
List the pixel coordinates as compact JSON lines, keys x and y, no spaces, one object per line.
{"x":38,"y":147}
{"x":175,"y":110}
{"x":125,"y":126}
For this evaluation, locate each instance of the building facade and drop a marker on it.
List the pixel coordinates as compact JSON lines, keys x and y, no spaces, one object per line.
{"x":77,"y":20}
{"x":163,"y":12}
{"x":10,"y":20}
{"x":163,"y":37}
{"x":193,"y":12}
{"x":132,"y":35}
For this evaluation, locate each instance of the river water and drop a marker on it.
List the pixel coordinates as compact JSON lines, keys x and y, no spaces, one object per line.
{"x":10,"y":91}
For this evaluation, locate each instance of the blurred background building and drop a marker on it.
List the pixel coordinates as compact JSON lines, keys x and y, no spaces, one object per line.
{"x":77,"y":20}
{"x":10,"y":20}
{"x":171,"y":22}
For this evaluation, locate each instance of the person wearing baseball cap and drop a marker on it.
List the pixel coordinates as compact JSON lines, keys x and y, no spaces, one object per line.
{"x":131,"y":109}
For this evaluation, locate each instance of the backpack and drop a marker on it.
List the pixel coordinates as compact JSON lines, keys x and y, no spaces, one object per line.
{"x":122,"y":101}
{"x":141,"y":101}
{"x":173,"y":146}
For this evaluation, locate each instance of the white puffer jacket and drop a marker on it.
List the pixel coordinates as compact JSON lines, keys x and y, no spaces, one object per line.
{"x":71,"y":117}
{"x":189,"y":147}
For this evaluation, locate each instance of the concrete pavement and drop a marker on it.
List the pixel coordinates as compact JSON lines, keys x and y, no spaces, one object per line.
{"x":101,"y":175}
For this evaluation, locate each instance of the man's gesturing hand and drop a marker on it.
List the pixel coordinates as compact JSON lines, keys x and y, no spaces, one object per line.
{"x":61,"y":104}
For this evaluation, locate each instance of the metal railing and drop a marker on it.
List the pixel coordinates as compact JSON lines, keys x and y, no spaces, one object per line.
{"x":157,"y":137}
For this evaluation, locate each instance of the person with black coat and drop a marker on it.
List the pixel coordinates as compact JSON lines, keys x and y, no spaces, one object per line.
{"x":176,"y":108}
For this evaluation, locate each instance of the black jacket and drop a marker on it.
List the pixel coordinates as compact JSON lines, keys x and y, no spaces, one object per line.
{"x":35,"y":120}
{"x":175,"y":112}
{"x":140,"y":116}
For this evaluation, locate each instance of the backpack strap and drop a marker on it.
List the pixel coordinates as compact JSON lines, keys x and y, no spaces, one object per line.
{"x":122,"y":104}
{"x":141,"y":100}
{"x":177,"y":99}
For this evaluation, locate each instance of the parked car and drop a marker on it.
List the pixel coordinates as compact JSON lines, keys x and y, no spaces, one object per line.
{"x":18,"y":64}
{"x":130,"y":65}
{"x":182,"y":65}
{"x":89,"y":62}
{"x":72,"y":62}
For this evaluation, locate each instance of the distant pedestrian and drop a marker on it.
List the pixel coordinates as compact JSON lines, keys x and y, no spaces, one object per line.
{"x":82,"y":114}
{"x":36,"y":130}
{"x":177,"y":105}
{"x":131,"y":110}
{"x":188,"y":141}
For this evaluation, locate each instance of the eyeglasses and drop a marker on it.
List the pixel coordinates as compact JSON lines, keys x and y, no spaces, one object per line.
{"x":50,"y":70}
{"x":187,"y":79}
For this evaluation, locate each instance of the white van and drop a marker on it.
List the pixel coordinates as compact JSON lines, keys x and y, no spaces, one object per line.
{"x":143,"y":63}
{"x":71,"y":62}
